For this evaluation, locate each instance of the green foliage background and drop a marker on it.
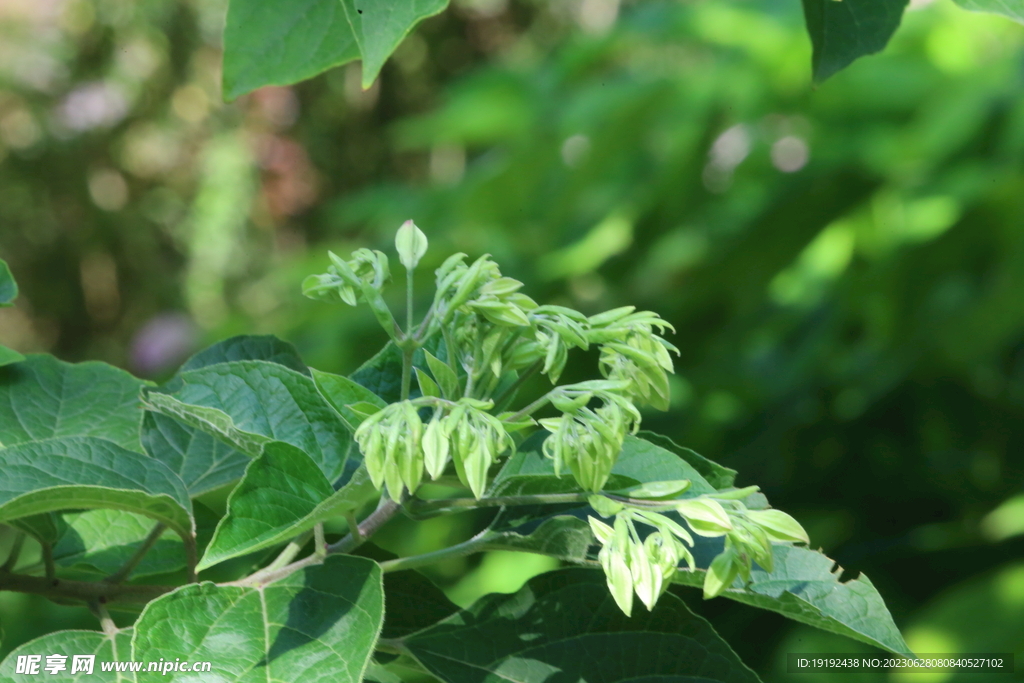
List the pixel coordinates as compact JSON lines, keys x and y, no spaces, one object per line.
{"x":844,"y":264}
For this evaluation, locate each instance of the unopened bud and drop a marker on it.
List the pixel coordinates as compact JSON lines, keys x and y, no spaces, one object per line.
{"x":411,"y":244}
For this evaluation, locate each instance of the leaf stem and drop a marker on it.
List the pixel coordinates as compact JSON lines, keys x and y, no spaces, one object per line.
{"x":289,"y":552}
{"x":407,"y":355}
{"x":15,"y":554}
{"x":426,"y":507}
{"x":125,"y":571}
{"x":319,"y":544}
{"x":476,"y":544}
{"x":533,"y":407}
{"x":409,"y":332}
{"x":51,"y":569}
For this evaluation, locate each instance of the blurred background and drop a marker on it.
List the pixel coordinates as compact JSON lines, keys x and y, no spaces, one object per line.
{"x":844,"y":264}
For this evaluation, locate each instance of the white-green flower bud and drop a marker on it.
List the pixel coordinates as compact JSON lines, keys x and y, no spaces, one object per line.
{"x":411,"y":244}
{"x":705,"y":516}
{"x":647,"y":579}
{"x":779,"y":525}
{"x":435,"y":448}
{"x":720,"y":574}
{"x":606,"y":507}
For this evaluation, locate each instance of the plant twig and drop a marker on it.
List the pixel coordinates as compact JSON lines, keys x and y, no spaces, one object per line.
{"x":499,"y":402}
{"x":289,"y":552}
{"x":81,"y":590}
{"x":319,"y":544}
{"x":101,"y":613}
{"x":427,"y":507}
{"x":477,"y":544}
{"x":125,"y":571}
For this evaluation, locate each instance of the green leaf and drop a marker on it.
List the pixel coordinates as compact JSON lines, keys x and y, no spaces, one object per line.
{"x":341,"y":391}
{"x":282,"y":494}
{"x":248,"y":347}
{"x":845,"y":30}
{"x":413,"y":601}
{"x":101,"y":541}
{"x":804,"y":587}
{"x":640,"y":462}
{"x":203,"y":462}
{"x":248,"y":403}
{"x":70,"y":643}
{"x":86,"y":473}
{"x":317,"y":624}
{"x":8,"y":356}
{"x":279,"y":43}
{"x":47,"y":527}
{"x":719,"y":476}
{"x":1013,"y":9}
{"x":538,"y":635}
{"x":43,"y":397}
{"x":382,"y":374}
{"x":8,"y":287}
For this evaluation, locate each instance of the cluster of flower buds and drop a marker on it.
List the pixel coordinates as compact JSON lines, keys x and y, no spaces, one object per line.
{"x":397,"y":447}
{"x":645,"y":566}
{"x":632,"y":350}
{"x":588,"y":441}
{"x":346,"y":281}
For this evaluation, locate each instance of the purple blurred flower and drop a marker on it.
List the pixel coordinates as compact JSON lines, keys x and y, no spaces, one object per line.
{"x":163,"y":342}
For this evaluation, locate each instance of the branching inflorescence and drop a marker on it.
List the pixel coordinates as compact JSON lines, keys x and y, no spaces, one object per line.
{"x":481,"y":339}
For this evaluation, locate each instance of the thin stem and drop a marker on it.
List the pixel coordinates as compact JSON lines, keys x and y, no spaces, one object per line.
{"x":12,"y":558}
{"x":191,"y":558}
{"x":353,"y":525}
{"x":125,"y":571}
{"x":425,"y":323}
{"x":319,"y":544}
{"x":289,"y":552}
{"x":407,"y":354}
{"x":101,"y":613}
{"x":408,"y":303}
{"x":422,"y":507}
{"x":532,"y":408}
{"x":476,"y":544}
{"x":499,"y":402}
{"x":81,"y":590}
{"x":385,"y":511}
{"x":51,"y":569}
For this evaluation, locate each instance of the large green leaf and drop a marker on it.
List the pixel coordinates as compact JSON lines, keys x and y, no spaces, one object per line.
{"x":273,"y":42}
{"x":248,"y":347}
{"x":248,"y":403}
{"x":717,"y":475}
{"x":317,"y":624}
{"x":528,"y":472}
{"x":564,"y":625}
{"x":8,"y":287}
{"x":86,"y":473}
{"x":843,"y":31}
{"x":102,"y":541}
{"x":804,"y":587}
{"x":108,"y":650}
{"x":43,"y":397}
{"x":282,"y":494}
{"x":203,"y":462}
{"x":8,"y":356}
{"x":1014,"y":9}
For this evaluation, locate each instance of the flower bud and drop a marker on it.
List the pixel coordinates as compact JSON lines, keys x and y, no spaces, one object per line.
{"x":705,"y":516}
{"x":779,"y":526}
{"x":720,"y":574}
{"x":411,"y":244}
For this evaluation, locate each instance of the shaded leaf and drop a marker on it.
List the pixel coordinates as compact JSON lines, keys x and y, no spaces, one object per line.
{"x":85,"y":473}
{"x":565,"y":624}
{"x":248,"y":403}
{"x":282,"y":494}
{"x":843,"y":31}
{"x":101,"y":541}
{"x":202,"y":461}
{"x":248,"y":347}
{"x":42,"y":398}
{"x":69,"y":644}
{"x":803,"y":587}
{"x":317,"y":624}
{"x":272,"y":42}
